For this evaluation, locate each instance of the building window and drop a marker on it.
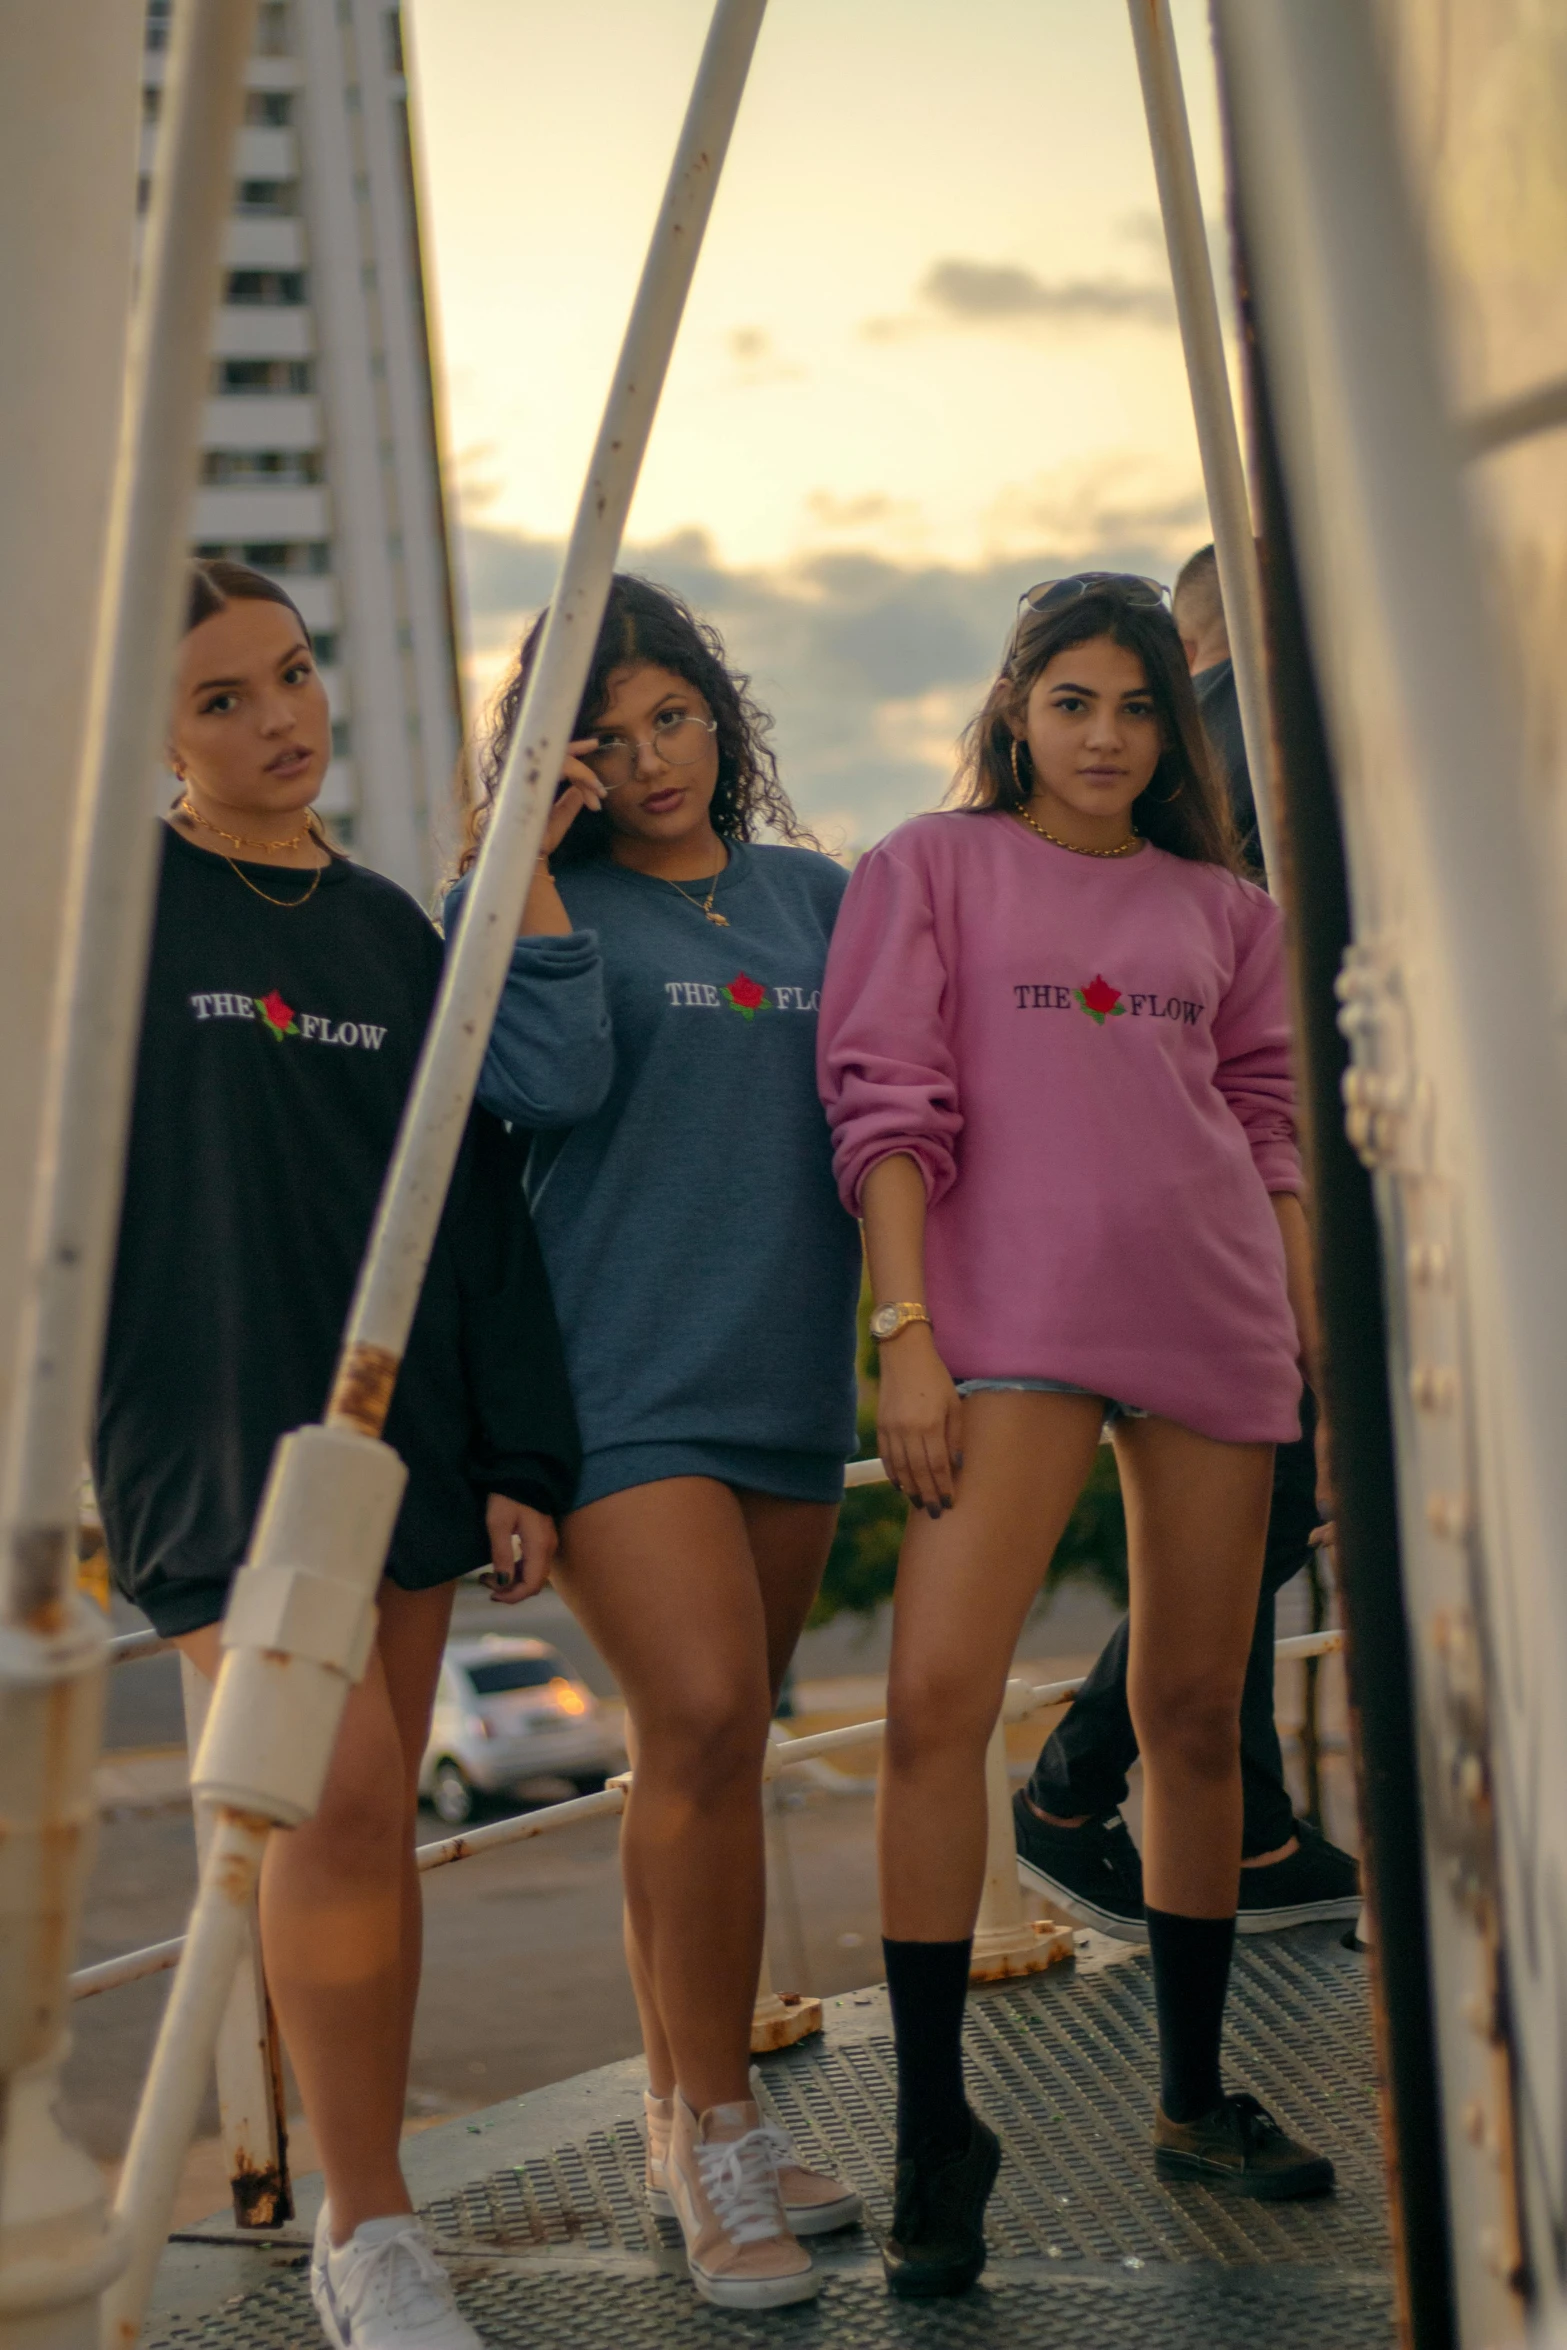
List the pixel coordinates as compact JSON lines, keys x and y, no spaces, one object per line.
{"x":151,"y":102}
{"x":294,"y":466}
{"x":269,"y":109}
{"x":342,"y":830}
{"x":272,"y":30}
{"x":269,"y":288}
{"x":324,"y":645}
{"x":273,"y":196}
{"x":157,"y":24}
{"x":342,"y":738}
{"x":262,"y":375}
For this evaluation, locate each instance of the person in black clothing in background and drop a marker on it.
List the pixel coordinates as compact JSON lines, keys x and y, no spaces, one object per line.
{"x":1071,"y":1839}
{"x":288,"y":994}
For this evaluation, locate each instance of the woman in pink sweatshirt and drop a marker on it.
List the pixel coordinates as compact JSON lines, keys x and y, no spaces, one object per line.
{"x":1054,"y":1052}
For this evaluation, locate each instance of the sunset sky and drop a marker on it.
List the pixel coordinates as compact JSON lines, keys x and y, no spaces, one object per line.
{"x":929,"y":357}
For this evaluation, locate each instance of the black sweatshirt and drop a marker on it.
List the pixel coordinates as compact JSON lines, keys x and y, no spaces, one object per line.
{"x":278,"y":1045}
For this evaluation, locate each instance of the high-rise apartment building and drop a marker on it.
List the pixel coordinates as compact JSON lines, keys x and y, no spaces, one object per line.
{"x":319,"y":451}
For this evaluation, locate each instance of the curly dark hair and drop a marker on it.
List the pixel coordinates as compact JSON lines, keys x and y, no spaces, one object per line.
{"x":1185,"y":809}
{"x":647,"y":623}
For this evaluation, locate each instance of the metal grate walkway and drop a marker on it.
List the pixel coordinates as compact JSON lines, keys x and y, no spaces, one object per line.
{"x":554,"y":2247}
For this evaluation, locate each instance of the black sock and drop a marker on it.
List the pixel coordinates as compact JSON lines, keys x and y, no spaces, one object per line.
{"x":927,"y":1984}
{"x":1191,"y":1973}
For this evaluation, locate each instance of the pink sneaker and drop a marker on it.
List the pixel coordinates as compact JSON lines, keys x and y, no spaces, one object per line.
{"x":720,"y":2177}
{"x":815,"y":2204}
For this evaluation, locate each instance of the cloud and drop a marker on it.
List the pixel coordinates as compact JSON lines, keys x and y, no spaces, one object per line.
{"x":758,"y":359}
{"x":871,"y":667}
{"x":1003,"y":294}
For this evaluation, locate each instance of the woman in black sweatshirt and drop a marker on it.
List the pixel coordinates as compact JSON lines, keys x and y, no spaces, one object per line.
{"x":287,"y":998}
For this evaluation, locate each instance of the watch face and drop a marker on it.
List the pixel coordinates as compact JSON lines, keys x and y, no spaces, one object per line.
{"x":884,"y":1322}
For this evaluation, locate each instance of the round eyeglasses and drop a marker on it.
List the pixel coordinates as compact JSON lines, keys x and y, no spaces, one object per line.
{"x":677,"y":736}
{"x":1127,"y":585}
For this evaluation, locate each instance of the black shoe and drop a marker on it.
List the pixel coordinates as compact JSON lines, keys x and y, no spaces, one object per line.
{"x":1318,"y":1881}
{"x":937,"y":2245}
{"x":1094,"y":1872}
{"x":1240,"y":2146}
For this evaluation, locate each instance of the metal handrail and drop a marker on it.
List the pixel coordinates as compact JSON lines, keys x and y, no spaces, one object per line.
{"x":1022,"y":1700}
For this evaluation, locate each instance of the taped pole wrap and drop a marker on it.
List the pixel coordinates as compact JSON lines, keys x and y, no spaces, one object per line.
{"x":302,"y":1619}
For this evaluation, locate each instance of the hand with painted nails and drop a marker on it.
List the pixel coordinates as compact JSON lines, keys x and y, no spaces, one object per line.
{"x":919,"y":1421}
{"x":578,"y":788}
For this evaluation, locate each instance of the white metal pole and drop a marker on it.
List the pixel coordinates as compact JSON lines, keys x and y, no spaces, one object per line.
{"x":301,"y":1619}
{"x":454,"y":1051}
{"x":55,"y":2250}
{"x":252,"y":2117}
{"x":1197,"y":308}
{"x":215,"y":1943}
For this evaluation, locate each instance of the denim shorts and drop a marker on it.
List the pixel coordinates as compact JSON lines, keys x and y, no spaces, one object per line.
{"x":1113,"y":1411}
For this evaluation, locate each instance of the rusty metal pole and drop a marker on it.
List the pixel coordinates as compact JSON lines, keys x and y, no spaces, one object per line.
{"x":301,"y":1618}
{"x":57,"y":2251}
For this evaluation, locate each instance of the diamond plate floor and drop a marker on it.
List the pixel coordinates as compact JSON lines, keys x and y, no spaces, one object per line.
{"x":552,"y":2243}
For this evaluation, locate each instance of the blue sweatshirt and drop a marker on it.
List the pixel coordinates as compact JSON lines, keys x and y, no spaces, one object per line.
{"x":704,"y":1272}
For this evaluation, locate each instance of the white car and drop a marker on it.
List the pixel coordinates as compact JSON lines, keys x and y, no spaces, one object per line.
{"x":507,"y":1711}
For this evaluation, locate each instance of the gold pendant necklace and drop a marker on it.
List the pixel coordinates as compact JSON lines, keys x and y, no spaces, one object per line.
{"x":719,"y":921}
{"x":1125,"y":849}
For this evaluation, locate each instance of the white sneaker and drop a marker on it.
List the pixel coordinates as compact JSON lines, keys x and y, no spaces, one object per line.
{"x":385,"y":2290}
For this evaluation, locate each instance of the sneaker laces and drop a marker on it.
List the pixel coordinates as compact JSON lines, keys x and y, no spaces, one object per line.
{"x":400,"y":2279}
{"x":741,"y":2184}
{"x":1257,"y":2125}
{"x":781,"y":2147}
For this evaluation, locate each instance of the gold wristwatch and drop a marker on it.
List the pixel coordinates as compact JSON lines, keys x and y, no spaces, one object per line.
{"x":891,"y":1321}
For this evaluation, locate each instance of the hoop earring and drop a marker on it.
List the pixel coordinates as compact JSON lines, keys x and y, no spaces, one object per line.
{"x":1170,"y":797}
{"x":1017,"y":780}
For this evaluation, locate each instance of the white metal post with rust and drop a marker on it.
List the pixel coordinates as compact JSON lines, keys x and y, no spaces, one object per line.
{"x":248,"y":2055}
{"x":1224,"y":475}
{"x":56,"y":2252}
{"x":301,"y":1618}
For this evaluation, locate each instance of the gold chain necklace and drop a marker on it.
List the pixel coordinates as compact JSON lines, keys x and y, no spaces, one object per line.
{"x":308,"y":831}
{"x":242,"y":840}
{"x":1125,"y":850}
{"x":303,"y":898}
{"x":720,"y":921}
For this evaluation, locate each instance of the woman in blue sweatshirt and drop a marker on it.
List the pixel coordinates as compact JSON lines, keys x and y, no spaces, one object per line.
{"x":657,"y":1036}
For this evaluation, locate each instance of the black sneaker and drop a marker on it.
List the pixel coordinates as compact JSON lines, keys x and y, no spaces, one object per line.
{"x":1240,"y":2146}
{"x":1094,"y":1873}
{"x":1318,"y":1881}
{"x":937,"y":2244}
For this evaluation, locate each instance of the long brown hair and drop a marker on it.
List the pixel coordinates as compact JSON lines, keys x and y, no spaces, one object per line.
{"x":1185,"y":808}
{"x":646,"y":623}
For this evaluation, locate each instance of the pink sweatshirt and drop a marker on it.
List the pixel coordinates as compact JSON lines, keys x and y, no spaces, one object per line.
{"x":1089,"y":1060}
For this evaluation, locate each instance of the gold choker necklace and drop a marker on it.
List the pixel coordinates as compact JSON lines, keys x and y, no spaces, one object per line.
{"x":1127,"y":847}
{"x":242,"y":840}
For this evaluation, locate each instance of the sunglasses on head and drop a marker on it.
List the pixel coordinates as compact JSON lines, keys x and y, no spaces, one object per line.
{"x":1049,"y":593}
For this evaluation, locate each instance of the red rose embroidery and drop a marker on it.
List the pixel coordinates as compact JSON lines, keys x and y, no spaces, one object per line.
{"x":1101,"y":1001}
{"x":746,"y":997}
{"x":278,"y":1015}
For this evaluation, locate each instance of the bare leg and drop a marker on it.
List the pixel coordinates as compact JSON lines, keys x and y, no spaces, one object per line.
{"x":340,"y":1909}
{"x":1197,"y":1519}
{"x":966,"y":1582}
{"x":666,"y":1582}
